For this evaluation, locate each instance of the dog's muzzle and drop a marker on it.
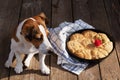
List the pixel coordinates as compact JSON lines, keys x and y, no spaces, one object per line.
{"x":46,"y":48}
{"x":50,"y":51}
{"x":46,"y":51}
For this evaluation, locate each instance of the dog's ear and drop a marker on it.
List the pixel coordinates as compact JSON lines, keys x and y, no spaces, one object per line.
{"x":43,"y":17}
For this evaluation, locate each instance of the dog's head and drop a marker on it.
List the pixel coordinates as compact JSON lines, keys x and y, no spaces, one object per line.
{"x":35,"y":31}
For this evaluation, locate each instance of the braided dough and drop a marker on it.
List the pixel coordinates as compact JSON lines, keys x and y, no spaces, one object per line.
{"x":83,"y":45}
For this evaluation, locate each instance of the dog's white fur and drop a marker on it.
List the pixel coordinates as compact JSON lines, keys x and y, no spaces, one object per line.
{"x":28,"y":48}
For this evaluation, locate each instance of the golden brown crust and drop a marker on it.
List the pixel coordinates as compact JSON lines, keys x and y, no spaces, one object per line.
{"x":74,"y":46}
{"x":79,"y":53}
{"x":77,"y":36}
{"x":107,"y":46}
{"x":82,"y":45}
{"x":89,"y":34}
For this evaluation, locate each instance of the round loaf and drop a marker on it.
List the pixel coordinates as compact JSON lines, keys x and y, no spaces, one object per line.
{"x":83,"y":45}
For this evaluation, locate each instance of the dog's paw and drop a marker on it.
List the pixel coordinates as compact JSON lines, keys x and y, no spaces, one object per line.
{"x":27,"y":63}
{"x":45,"y":70}
{"x":18,"y":69}
{"x":8,"y":64}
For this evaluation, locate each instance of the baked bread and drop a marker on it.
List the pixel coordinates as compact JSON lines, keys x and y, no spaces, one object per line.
{"x":90,"y":45}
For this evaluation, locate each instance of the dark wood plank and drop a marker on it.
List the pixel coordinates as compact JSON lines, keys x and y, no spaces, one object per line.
{"x":31,"y":8}
{"x":109,"y":67}
{"x":82,"y":11}
{"x":34,"y":7}
{"x":9,"y":14}
{"x":113,"y":10}
{"x":61,"y":11}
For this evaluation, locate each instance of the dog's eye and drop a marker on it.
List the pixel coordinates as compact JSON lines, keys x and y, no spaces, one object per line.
{"x":35,"y":31}
{"x":39,"y":39}
{"x":28,"y":37}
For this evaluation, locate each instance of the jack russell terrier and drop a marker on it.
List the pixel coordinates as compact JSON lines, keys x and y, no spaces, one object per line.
{"x":30,"y":37}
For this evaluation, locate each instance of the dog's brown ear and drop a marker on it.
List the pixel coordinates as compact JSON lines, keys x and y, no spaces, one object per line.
{"x":43,"y":17}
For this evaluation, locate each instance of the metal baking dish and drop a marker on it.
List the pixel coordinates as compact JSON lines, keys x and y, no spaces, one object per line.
{"x":95,"y":60}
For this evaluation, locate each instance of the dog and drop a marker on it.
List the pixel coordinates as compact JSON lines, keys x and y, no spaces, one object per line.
{"x":30,"y":37}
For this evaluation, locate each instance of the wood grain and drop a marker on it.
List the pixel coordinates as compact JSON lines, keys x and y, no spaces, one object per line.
{"x":113,"y":8}
{"x":81,"y":10}
{"x":61,"y":11}
{"x":9,"y":15}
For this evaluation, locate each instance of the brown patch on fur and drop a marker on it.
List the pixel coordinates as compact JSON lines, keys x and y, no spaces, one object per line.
{"x":14,"y":34}
{"x":31,"y":32}
{"x":36,"y":43}
{"x":42,"y":19}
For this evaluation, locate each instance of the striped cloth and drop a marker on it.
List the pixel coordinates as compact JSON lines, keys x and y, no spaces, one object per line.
{"x":58,"y":37}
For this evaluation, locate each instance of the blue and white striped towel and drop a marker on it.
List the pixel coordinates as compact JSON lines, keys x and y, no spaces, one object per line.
{"x":58,"y":37}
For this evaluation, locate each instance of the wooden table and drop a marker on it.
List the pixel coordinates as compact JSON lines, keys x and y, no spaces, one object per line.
{"x":102,"y":14}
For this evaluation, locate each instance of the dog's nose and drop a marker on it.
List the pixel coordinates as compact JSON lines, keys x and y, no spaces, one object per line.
{"x":50,"y":51}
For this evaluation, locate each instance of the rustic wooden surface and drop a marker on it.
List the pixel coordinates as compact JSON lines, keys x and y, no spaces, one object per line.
{"x":102,"y":14}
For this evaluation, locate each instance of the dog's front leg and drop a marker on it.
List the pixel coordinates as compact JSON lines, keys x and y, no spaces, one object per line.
{"x":44,"y":69}
{"x":19,"y":65}
{"x":10,"y":58}
{"x":28,"y":59}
